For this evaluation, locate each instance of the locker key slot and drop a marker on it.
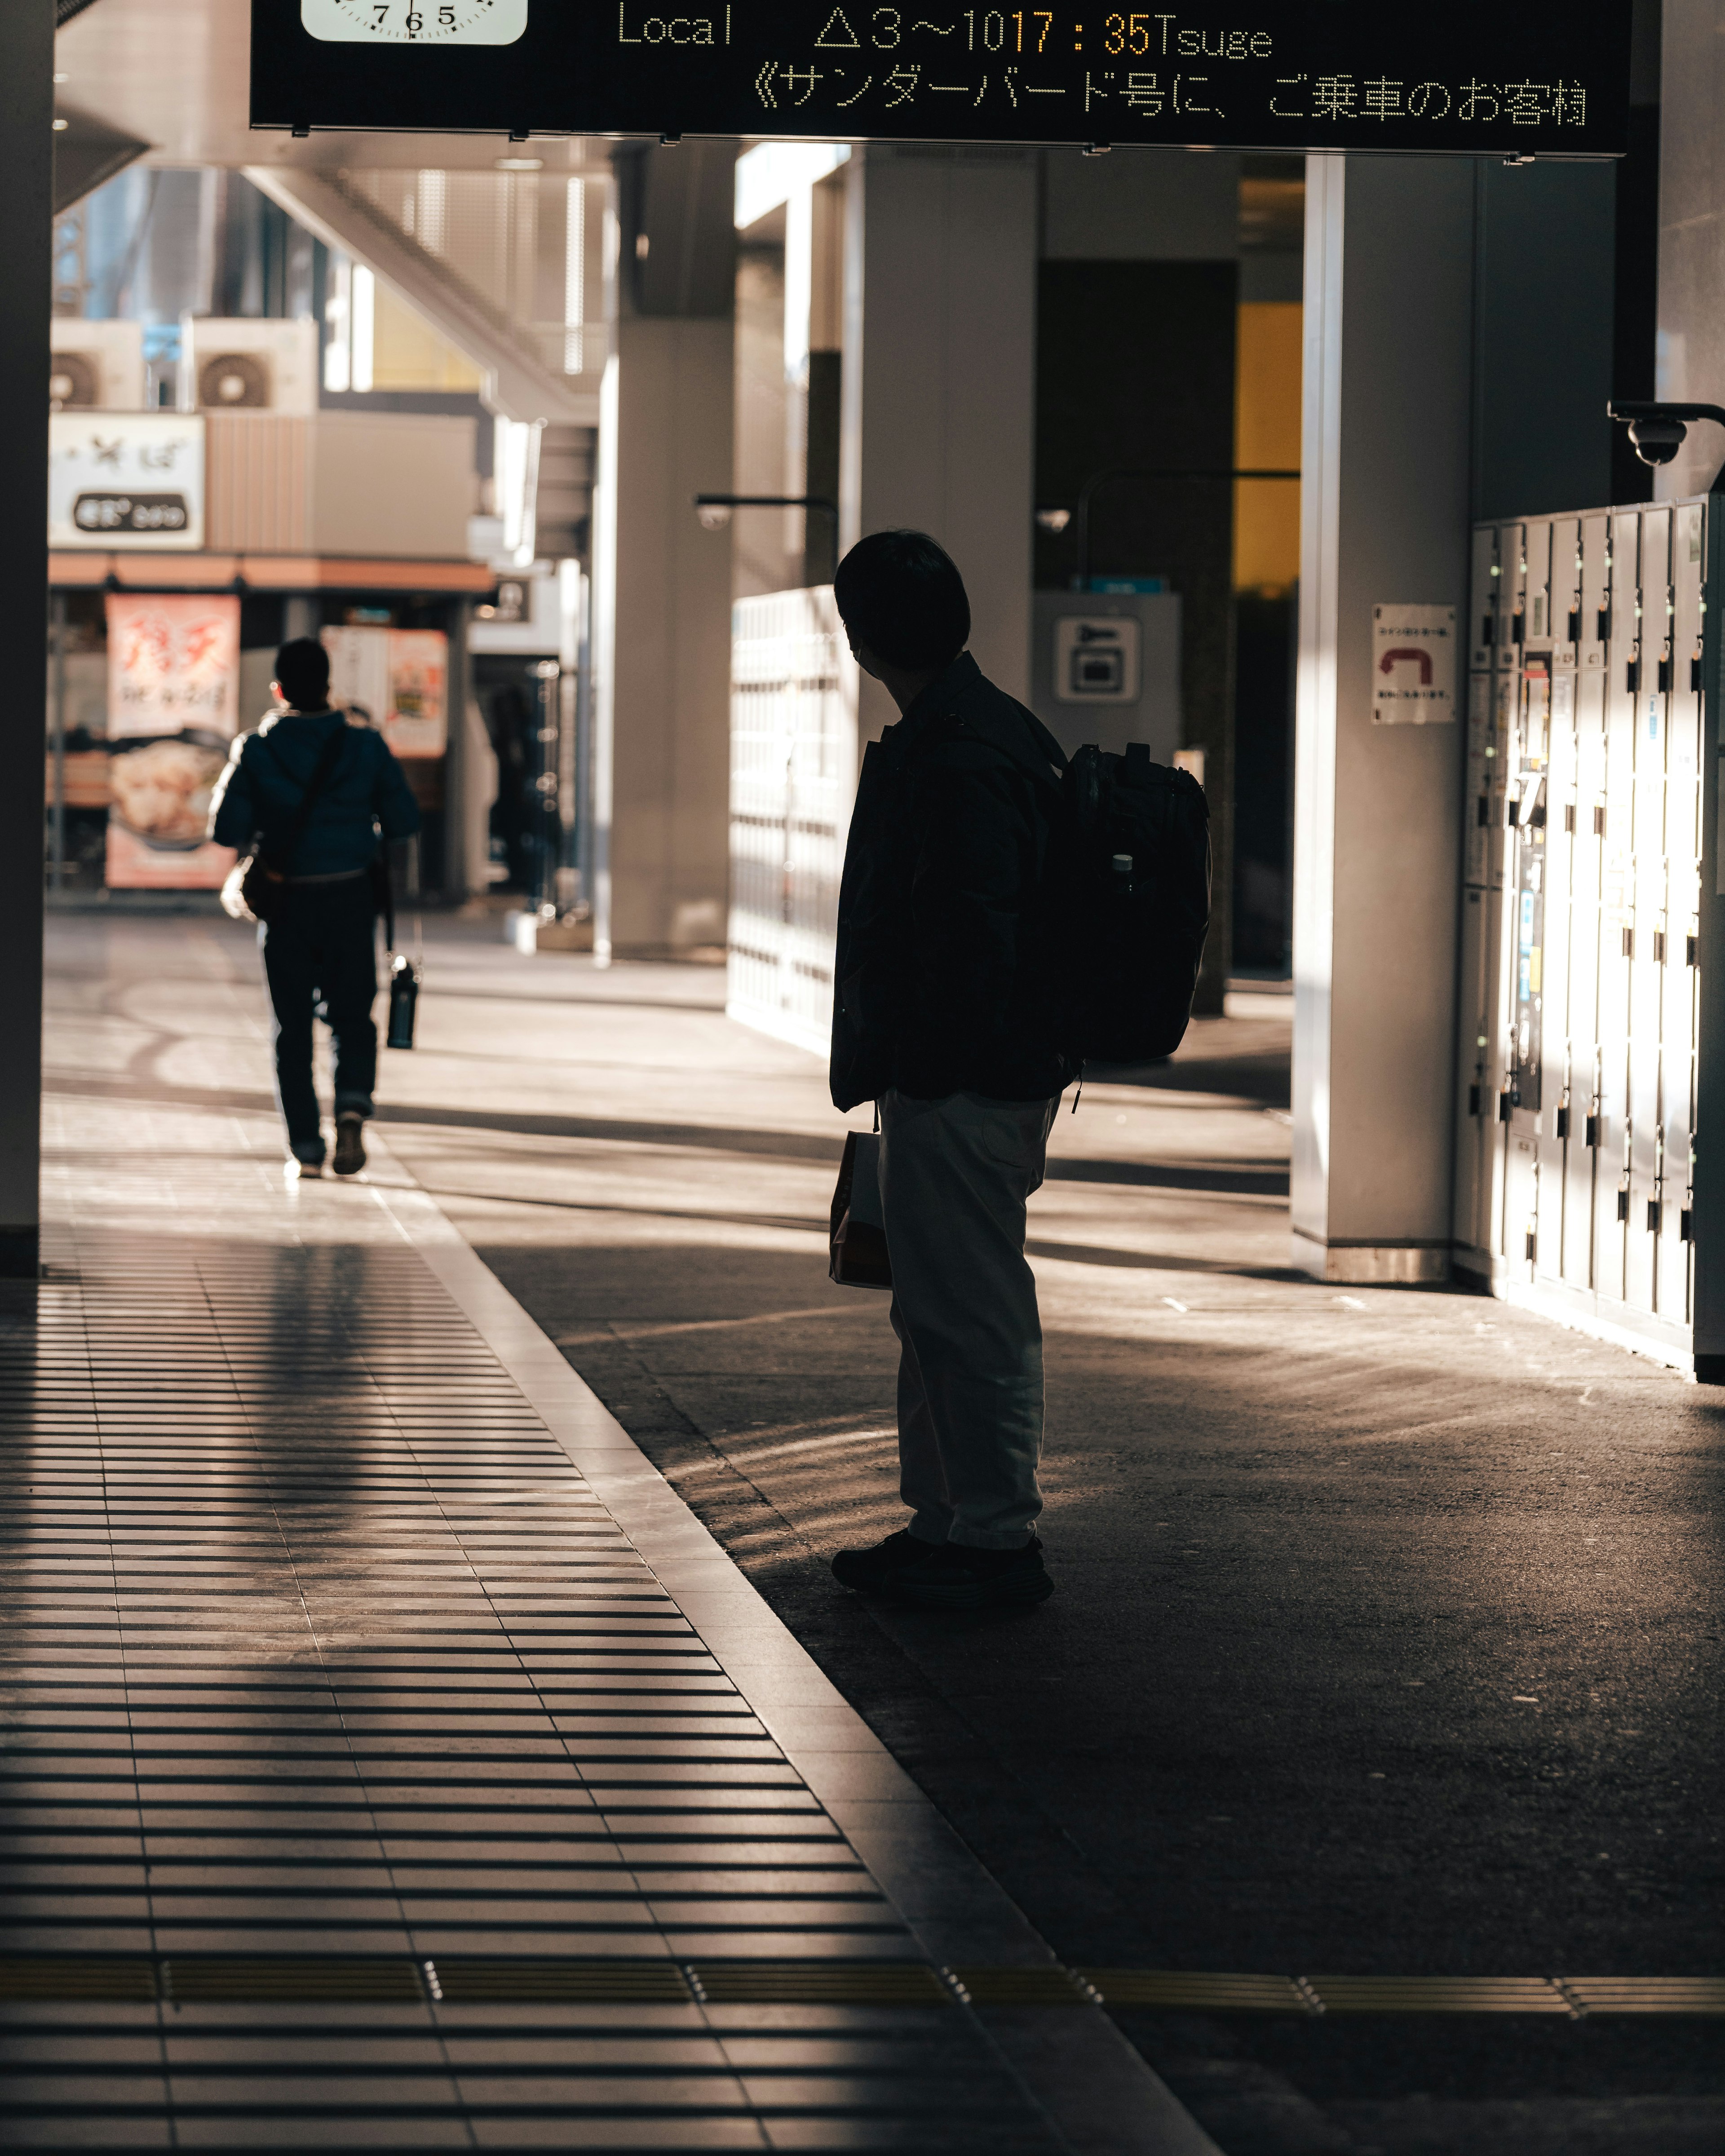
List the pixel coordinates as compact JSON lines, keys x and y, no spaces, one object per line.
{"x":1632,"y":675}
{"x":1518,"y":627}
{"x":1664,"y":674}
{"x":1574,"y":636}
{"x":1568,"y":815}
{"x":1686,"y":1226}
{"x":1590,"y":1133}
{"x":1505,"y":1103}
{"x":1629,"y":943}
{"x":1485,"y":812}
{"x":1598,"y":822}
{"x":1623,"y":1205}
{"x":1689,"y":944}
{"x":1560,"y":1121}
{"x":1695,"y":673}
{"x":1533,"y":1245}
{"x":1487,"y":625}
{"x":1659,"y":947}
{"x":1652,"y":1216}
{"x":1473,"y":1101}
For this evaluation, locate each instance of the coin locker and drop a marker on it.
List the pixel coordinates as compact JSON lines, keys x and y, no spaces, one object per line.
{"x":1580,"y":1080}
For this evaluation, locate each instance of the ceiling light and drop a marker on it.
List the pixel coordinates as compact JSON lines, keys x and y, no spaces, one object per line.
{"x":520,"y":164}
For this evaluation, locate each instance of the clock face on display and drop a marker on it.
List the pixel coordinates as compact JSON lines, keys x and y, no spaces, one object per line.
{"x":415,"y":21}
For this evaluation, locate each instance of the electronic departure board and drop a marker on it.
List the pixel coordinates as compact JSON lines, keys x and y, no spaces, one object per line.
{"x":1512,"y":78}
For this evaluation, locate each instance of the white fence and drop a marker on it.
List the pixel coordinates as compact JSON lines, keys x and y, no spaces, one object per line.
{"x":793,"y":776}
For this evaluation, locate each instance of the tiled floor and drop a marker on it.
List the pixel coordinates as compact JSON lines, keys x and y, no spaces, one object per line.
{"x":356,"y":1770}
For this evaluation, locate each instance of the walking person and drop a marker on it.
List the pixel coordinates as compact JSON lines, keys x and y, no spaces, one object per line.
{"x":942,"y":1018}
{"x":306,"y":765}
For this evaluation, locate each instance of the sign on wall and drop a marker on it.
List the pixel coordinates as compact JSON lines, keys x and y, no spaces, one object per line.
{"x":128,"y":481}
{"x":1413,"y":666}
{"x":1497,"y":77}
{"x":174,"y":703}
{"x":396,"y":680}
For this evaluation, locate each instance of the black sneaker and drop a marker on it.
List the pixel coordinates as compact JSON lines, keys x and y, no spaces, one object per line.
{"x":350,"y":1144}
{"x":945,"y":1575}
{"x":877,"y":1571}
{"x":958,"y":1578}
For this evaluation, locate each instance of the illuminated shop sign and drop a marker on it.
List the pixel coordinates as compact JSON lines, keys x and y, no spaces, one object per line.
{"x":1510,"y":78}
{"x":126,"y":479}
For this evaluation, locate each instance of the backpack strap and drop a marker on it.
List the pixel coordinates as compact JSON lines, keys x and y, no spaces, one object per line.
{"x":276,"y":858}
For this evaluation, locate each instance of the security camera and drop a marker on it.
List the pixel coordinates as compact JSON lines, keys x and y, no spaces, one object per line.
{"x":1657,"y":441}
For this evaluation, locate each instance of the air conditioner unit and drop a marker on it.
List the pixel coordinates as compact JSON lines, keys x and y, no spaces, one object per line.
{"x":248,"y":365}
{"x":95,"y":366}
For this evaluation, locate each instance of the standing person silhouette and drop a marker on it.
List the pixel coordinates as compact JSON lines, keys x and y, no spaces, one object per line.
{"x":942,"y":1018}
{"x":318,"y":946}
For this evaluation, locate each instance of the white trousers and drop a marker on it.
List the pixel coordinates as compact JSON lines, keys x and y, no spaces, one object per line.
{"x":955,"y":1175}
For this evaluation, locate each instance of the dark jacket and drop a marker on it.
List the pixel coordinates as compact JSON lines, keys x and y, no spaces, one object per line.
{"x":266,"y":776}
{"x":944,"y":964}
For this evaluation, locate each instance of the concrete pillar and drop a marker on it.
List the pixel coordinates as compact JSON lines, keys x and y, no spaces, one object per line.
{"x":1690,"y":365}
{"x":938,"y":421}
{"x":1389,"y":329}
{"x":661,"y":634}
{"x":662,"y":664}
{"x":26,"y":163}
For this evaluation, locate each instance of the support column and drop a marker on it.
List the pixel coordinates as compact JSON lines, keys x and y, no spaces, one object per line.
{"x":938,"y":419}
{"x":661,"y":632}
{"x":1388,"y":333}
{"x":26,"y":240}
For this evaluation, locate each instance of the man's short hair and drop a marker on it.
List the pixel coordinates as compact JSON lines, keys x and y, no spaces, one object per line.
{"x":900,"y":594}
{"x":302,"y":667}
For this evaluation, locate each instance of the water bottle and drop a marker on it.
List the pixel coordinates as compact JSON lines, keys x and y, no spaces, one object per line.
{"x":403,"y":1002}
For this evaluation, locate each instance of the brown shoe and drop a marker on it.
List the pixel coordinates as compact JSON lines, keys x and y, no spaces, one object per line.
{"x":350,"y":1144}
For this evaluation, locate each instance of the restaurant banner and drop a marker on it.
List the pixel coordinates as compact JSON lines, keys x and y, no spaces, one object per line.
{"x":173,"y":708}
{"x":396,"y":680}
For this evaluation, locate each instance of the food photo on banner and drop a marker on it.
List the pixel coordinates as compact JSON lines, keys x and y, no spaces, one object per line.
{"x":173,"y":706}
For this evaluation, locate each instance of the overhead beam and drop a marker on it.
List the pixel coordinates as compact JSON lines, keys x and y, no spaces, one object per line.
{"x":517,"y":382}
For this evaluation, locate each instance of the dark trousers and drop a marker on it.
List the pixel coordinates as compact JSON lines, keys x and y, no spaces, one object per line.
{"x":320,"y":960}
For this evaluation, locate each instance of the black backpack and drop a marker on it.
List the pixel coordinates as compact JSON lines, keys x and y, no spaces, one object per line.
{"x":1130,"y":882}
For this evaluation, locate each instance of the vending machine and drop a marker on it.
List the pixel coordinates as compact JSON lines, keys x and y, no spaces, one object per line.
{"x":1585,"y":1087}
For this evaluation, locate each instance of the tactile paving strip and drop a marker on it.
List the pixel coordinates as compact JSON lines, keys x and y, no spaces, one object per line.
{"x":360,"y":1783}
{"x":550,"y":1981}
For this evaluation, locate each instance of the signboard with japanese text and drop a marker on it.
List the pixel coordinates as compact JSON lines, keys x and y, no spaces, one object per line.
{"x":396,"y":680}
{"x":1413,"y":666}
{"x":1549,"y":77}
{"x":125,"y":481}
{"x":173,"y":704}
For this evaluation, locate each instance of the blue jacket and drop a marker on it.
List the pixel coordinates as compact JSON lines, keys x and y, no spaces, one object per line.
{"x":267,"y":773}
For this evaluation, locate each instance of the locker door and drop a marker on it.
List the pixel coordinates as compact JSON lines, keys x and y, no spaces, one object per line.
{"x":1566,"y":562}
{"x":1476,"y":1134}
{"x":1594,"y":624}
{"x":1536,"y":585}
{"x":1682,"y":840}
{"x":1524,"y":899}
{"x":1557,"y":1121}
{"x":1478,"y":1129}
{"x":1501,"y":922}
{"x":1511,"y":596}
{"x":1617,"y":908}
{"x":1586,"y":851}
{"x":1649,"y":937}
{"x":1482,"y":623}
